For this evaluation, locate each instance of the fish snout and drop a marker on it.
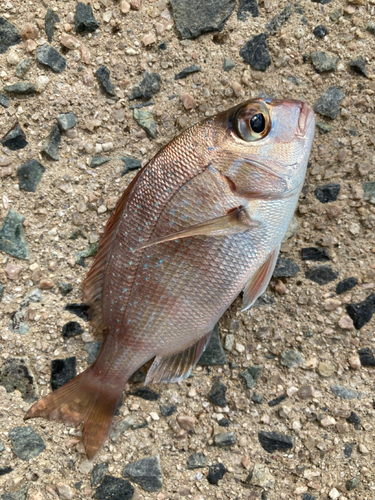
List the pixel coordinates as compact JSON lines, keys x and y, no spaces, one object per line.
{"x":305,"y":121}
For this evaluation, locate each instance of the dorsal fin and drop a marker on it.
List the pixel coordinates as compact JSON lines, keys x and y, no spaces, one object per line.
{"x":93,"y":284}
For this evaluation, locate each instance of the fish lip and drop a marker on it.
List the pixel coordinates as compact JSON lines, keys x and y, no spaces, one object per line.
{"x":306,"y":117}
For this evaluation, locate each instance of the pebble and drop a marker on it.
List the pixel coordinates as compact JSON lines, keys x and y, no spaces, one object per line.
{"x":71,"y":329}
{"x":194,"y":17}
{"x":355,"y":363}
{"x":291,"y":358}
{"x":8,"y":35}
{"x":145,"y":393}
{"x":145,"y":472}
{"x":84,"y":19}
{"x":324,"y":128}
{"x":12,"y":240}
{"x":18,"y":494}
{"x":188,"y":100}
{"x":285,"y":268}
{"x":96,"y":161}
{"x":214,"y":353}
{"x":107,"y":86}
{"x":4,"y":101}
{"x":80,"y":310}
{"x":5,"y":470}
{"x":98,"y":473}
{"x":16,"y":374}
{"x":327,"y":193}
{"x":62,"y":371}
{"x":12,"y":271}
{"x":130,"y":164}
{"x":215,"y":473}
{"x":48,"y":56}
{"x":64,"y":491}
{"x":257,"y":398}
{"x":92,"y":249}
{"x":23,"y":67}
{"x":148,"y":39}
{"x":273,"y":441}
{"x":50,"y":19}
{"x":30,"y":174}
{"x":66,"y":121}
{"x":217,"y":394}
{"x":329,"y":103}
{"x":345,"y":285}
{"x":346,"y":323}
{"x":148,"y":87}
{"x":261,"y":476}
{"x":370,"y":28}
{"x":187,"y":71}
{"x":20,"y":88}
{"x":363,"y":449}
{"x":225,"y":439}
{"x":186,"y":422}
{"x":15,"y":138}
{"x":41,"y":83}
{"x":26,"y":443}
{"x":167,"y":411}
{"x":247,"y":7}
{"x":366,"y":357}
{"x":362,"y":312}
{"x":65,"y":288}
{"x":323,"y":62}
{"x":279,"y":20}
{"x":343,"y":392}
{"x":321,"y":274}
{"x":369,"y":192}
{"x":320,"y":31}
{"x":359,"y":66}
{"x":315,"y":254}
{"x":196,"y":461}
{"x":92,"y":349}
{"x":327,"y":421}
{"x":334,"y":494}
{"x":255,"y":52}
{"x":145,"y":119}
{"x":52,"y":144}
{"x":114,"y":488}
{"x":124,"y":6}
{"x":251,"y":375}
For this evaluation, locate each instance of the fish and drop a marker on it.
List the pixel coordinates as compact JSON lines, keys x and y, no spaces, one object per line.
{"x":200,"y":223}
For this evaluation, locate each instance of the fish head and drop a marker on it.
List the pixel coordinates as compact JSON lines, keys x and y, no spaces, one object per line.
{"x":266,"y":147}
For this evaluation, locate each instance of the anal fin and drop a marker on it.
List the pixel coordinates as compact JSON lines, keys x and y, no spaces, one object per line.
{"x":177,"y":366}
{"x":258,"y":282}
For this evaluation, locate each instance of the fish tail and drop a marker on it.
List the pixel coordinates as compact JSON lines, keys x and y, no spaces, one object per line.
{"x":85,"y":399}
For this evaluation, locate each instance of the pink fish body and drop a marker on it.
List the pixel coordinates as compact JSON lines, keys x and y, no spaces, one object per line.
{"x":201,"y":222}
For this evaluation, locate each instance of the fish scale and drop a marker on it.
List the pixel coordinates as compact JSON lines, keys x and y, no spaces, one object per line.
{"x":202,"y":221}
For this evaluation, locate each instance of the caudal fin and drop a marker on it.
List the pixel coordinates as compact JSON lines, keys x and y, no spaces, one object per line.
{"x":82,"y":400}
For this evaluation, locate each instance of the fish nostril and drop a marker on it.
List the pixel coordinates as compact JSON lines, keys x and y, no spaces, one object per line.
{"x":231,"y":184}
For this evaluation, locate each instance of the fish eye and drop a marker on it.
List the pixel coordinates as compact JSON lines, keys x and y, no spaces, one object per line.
{"x":252,"y":122}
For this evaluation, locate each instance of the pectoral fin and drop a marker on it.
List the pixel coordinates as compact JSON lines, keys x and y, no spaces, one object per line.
{"x":236,"y":221}
{"x":258,"y":282}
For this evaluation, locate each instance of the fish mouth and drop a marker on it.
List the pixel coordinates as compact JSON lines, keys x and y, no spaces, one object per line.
{"x":305,"y":121}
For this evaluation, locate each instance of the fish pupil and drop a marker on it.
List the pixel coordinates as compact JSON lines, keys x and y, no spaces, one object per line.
{"x":258,"y":123}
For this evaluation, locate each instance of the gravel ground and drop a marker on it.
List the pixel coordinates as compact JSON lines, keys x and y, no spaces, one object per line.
{"x":286,"y":410}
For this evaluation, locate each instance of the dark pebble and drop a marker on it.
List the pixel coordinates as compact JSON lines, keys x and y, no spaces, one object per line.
{"x":114,"y":488}
{"x":359,"y":66}
{"x":8,"y":35}
{"x":19,"y":494}
{"x":214,"y":353}
{"x":15,"y":374}
{"x":255,"y":52}
{"x":351,"y":484}
{"x":308,"y":496}
{"x":81,"y":255}
{"x":26,"y":443}
{"x":343,"y":393}
{"x":12,"y":240}
{"x":224,"y":422}
{"x":323,"y":2}
{"x":345,"y":285}
{"x":321,"y":274}
{"x":285,"y":268}
{"x":315,"y":254}
{"x":366,"y":357}
{"x":2,"y":288}
{"x":277,"y":401}
{"x":142,"y":425}
{"x":228,"y":65}
{"x":23,"y":67}
{"x":65,"y":288}
{"x":98,"y":473}
{"x":62,"y":371}
{"x":48,"y":56}
{"x":194,"y":17}
{"x":251,"y":375}
{"x":146,"y":88}
{"x":80,"y":310}
{"x":323,"y":62}
{"x":355,"y":420}
{"x":215,"y":473}
{"x":320,"y":31}
{"x":145,"y":119}
{"x":4,"y":101}
{"x":294,"y":80}
{"x":257,"y":398}
{"x":137,"y":377}
{"x":217,"y":394}
{"x":103,"y":74}
{"x":52,"y":144}
{"x":15,"y":138}
{"x":71,"y":329}
{"x":196,"y":461}
{"x":162,"y":46}
{"x":145,"y":472}
{"x":329,"y":103}
{"x":66,"y":121}
{"x":247,"y":7}
{"x":272,"y":441}
{"x":324,"y":128}
{"x":167,"y":411}
{"x":145,"y":393}
{"x":129,"y":164}
{"x":348,"y":449}
{"x":92,"y":349}
{"x":279,"y":20}
{"x":30,"y":174}
{"x":49,"y":23}
{"x":187,"y":71}
{"x":20,"y":88}
{"x":99,"y":160}
{"x":225,"y":439}
{"x":5,"y":470}
{"x":84,"y":18}
{"x":78,"y":485}
{"x":327,"y":193}
{"x":362,"y":312}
